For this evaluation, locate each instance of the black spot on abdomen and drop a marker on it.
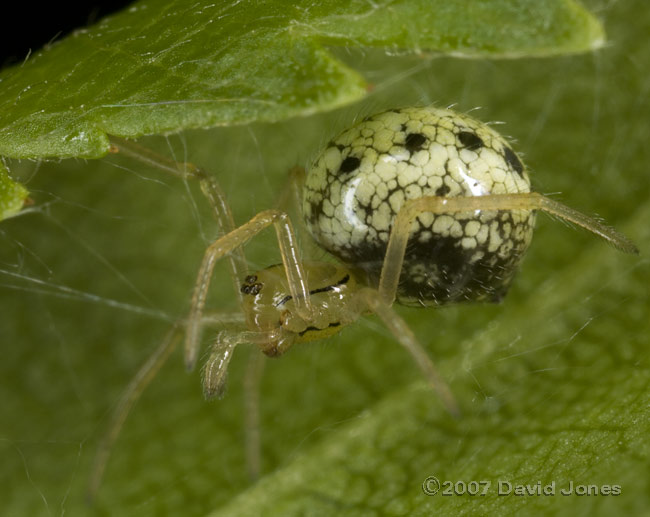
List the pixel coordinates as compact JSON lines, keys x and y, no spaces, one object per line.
{"x":442,"y":191}
{"x":414,"y":142}
{"x":349,"y":164}
{"x":470,"y":140}
{"x":513,"y":160}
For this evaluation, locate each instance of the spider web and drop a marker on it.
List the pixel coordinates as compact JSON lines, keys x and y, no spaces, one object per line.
{"x":94,"y":273}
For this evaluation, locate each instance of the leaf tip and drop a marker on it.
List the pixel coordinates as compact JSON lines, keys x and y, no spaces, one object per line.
{"x":13,"y":195}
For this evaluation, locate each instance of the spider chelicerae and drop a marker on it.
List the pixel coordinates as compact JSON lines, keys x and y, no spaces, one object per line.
{"x":422,"y":206}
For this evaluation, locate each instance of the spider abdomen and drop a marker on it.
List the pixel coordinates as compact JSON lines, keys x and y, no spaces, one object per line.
{"x":358,"y":184}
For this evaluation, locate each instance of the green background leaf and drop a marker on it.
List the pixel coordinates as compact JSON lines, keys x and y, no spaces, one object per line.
{"x":163,"y":66}
{"x":553,"y":382}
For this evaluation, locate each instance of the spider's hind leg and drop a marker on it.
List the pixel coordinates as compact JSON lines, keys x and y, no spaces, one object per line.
{"x":407,"y":339}
{"x":527,"y":201}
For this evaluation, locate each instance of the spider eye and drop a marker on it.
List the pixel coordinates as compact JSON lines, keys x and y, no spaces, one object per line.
{"x":251,"y":286}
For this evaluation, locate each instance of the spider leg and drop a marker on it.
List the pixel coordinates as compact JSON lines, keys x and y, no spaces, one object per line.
{"x":407,"y":339}
{"x":291,"y":193}
{"x":210,"y":188}
{"x":252,"y":380}
{"x":214,"y":383}
{"x":290,"y":258}
{"x":215,"y":376}
{"x":399,"y":234}
{"x":229,"y":244}
{"x":128,"y":399}
{"x":135,"y":389}
{"x":215,"y":370}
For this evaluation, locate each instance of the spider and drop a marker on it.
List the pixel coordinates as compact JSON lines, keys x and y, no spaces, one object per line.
{"x":421,"y":206}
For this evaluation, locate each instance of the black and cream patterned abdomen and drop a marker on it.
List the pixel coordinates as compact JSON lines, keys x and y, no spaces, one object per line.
{"x":358,"y":184}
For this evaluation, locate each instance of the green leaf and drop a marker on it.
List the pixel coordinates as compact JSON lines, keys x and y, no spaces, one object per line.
{"x":164,"y":66}
{"x":12,"y":195}
{"x":553,"y":382}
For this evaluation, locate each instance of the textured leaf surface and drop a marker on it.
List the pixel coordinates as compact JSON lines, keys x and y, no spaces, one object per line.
{"x":162,"y":66}
{"x":553,"y":382}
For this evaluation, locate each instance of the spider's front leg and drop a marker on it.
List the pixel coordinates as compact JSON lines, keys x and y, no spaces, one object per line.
{"x":209,"y":187}
{"x":233,"y":240}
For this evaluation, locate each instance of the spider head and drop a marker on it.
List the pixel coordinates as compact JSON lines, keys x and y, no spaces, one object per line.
{"x":269,"y":305}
